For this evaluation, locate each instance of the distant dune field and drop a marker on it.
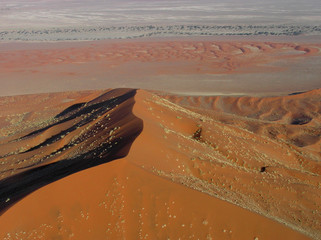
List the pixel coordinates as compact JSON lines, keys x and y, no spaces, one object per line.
{"x":203,"y":66}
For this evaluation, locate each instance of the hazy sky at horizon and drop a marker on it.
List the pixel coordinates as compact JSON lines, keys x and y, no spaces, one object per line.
{"x":54,"y":13}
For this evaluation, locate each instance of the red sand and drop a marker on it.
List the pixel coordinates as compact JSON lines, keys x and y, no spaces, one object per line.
{"x":171,"y":184}
{"x":213,"y":57}
{"x":95,"y":65}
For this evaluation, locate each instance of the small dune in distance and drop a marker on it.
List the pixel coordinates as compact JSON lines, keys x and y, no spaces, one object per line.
{"x":190,"y":66}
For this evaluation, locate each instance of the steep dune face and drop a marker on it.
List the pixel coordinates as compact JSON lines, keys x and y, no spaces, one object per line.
{"x":82,"y":136}
{"x":274,"y":178}
{"x":187,"y":175}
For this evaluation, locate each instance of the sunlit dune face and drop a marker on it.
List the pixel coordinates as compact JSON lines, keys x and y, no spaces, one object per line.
{"x":201,"y":166}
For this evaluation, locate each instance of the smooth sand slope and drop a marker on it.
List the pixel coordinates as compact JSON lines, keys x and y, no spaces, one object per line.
{"x":196,"y":170}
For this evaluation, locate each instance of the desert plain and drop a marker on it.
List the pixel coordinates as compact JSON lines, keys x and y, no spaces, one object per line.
{"x":187,"y":65}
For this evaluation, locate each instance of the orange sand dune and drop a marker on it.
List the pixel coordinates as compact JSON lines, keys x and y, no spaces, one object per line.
{"x":81,"y":136}
{"x":192,"y":172}
{"x":294,"y":119}
{"x":226,"y":162}
{"x":122,"y":201}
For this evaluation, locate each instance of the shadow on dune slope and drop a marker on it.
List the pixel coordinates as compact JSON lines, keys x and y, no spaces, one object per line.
{"x":82,"y":136}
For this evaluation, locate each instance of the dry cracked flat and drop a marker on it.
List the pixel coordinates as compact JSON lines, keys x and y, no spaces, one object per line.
{"x":135,"y":164}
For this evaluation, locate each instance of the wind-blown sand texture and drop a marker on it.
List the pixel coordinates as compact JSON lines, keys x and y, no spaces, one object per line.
{"x":196,"y":67}
{"x":199,"y":167}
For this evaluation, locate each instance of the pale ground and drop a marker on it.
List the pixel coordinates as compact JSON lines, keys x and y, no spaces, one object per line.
{"x":17,"y":14}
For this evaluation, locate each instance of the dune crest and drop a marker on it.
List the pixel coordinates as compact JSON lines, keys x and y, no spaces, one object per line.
{"x":270,"y":176}
{"x":82,"y":136}
{"x":196,"y":170}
